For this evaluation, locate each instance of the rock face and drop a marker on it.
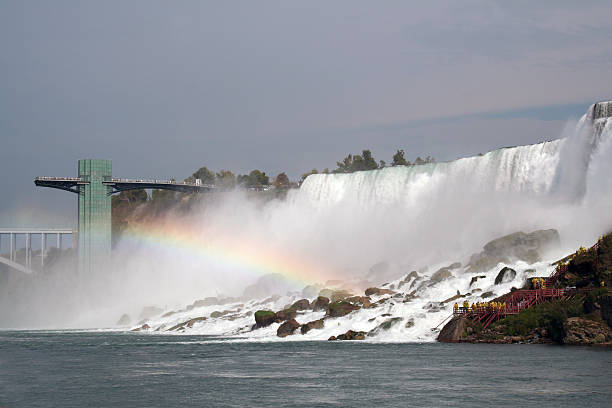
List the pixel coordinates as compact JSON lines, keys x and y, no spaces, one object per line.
{"x":189,"y":323}
{"x":286,"y":314}
{"x":340,"y":308}
{"x":340,"y":295}
{"x":124,"y":320}
{"x":302,"y":304}
{"x":143,"y":327}
{"x":264,"y":318}
{"x":320,"y":303}
{"x":583,"y":331}
{"x":505,"y":275}
{"x":386,"y":325}
{"x":475,"y":278}
{"x":315,"y":324}
{"x":350,"y":335}
{"x":441,"y":274}
{"x":517,"y":246}
{"x":452,"y":331}
{"x":364,"y":301}
{"x":605,"y":303}
{"x":287,"y":328}
{"x":378,"y":292}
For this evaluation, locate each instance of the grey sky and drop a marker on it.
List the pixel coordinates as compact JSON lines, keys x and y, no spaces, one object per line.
{"x":162,"y":87}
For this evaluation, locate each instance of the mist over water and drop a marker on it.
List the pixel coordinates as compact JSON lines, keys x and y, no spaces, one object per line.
{"x":337,"y":226}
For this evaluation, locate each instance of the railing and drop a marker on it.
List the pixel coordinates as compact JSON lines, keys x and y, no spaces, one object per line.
{"x":77,"y":179}
{"x":145,"y":181}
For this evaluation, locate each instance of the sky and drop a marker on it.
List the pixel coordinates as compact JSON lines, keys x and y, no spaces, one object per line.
{"x":163,"y":88}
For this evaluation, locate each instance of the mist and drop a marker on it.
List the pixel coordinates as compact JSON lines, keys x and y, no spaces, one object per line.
{"x":335,"y":227}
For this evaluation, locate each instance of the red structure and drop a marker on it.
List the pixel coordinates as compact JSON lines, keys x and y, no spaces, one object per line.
{"x":522,"y":299}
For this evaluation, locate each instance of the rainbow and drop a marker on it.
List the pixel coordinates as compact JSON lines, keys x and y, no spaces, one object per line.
{"x":256,"y":258}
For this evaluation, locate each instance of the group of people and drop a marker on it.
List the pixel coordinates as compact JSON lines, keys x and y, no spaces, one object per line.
{"x":480,"y":306}
{"x":538,"y":283}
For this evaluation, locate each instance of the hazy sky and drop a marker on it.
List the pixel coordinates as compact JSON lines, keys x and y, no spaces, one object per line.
{"x":163,"y":87}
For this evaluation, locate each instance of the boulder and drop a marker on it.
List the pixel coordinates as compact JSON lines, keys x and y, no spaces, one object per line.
{"x":287,"y":328}
{"x":311,"y":291}
{"x":455,"y":265}
{"x":450,"y":299}
{"x":452,"y":331}
{"x":124,"y":320}
{"x":578,"y":331}
{"x":216,"y":314}
{"x":302,"y":304}
{"x":326,"y":293}
{"x":384,"y":326}
{"x":512,"y":247}
{"x":189,"y":323}
{"x":320,"y":303}
{"x":505,"y":275}
{"x":364,"y":301}
{"x":475,"y":278}
{"x":285,"y":314}
{"x":340,"y":308}
{"x":378,"y":292}
{"x":264,"y":318}
{"x":209,"y":301}
{"x":340,"y":295}
{"x":315,"y":324}
{"x":143,"y":327}
{"x":487,"y":295}
{"x":441,"y":274}
{"x":352,"y":335}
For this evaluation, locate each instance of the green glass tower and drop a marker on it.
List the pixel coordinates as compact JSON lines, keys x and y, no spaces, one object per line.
{"x":94,"y":215}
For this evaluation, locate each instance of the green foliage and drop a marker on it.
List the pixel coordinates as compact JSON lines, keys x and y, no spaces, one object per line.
{"x":399,"y":159}
{"x":225,"y":179}
{"x":313,"y":171}
{"x":351,"y":163}
{"x":207,"y":176}
{"x":255,"y":179}
{"x":282,"y":181}
{"x":549,"y":315}
{"x":262,"y":314}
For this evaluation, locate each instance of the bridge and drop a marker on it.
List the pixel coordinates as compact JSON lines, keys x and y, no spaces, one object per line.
{"x":94,"y":187}
{"x":12,"y":235}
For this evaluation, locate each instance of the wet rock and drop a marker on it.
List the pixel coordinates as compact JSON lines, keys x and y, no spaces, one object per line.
{"x":315,"y":324}
{"x":170,"y":313}
{"x":452,"y":331}
{"x":216,"y":314}
{"x":583,"y":331}
{"x":311,"y":291}
{"x":189,"y":323}
{"x":364,"y":301}
{"x":209,"y":301}
{"x":264,"y":318}
{"x":320,"y":303}
{"x":475,"y":278}
{"x":516,"y":246}
{"x":286,"y":314}
{"x":505,"y":275}
{"x":149,"y":312}
{"x":351,"y":335}
{"x":433,"y":307}
{"x":476,"y":290}
{"x":487,"y":295}
{"x":450,"y":299}
{"x":143,"y":327}
{"x":408,"y":278}
{"x":302,"y":304}
{"x":287,"y":328}
{"x":441,"y":274}
{"x":384,"y":326}
{"x":340,"y":295}
{"x":378,"y":292}
{"x":409,"y":323}
{"x":340,"y":308}
{"x":326,"y":293}
{"x":332,"y":338}
{"x":455,"y":265}
{"x":124,"y":320}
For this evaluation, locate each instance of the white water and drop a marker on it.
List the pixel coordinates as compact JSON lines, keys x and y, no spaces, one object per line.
{"x":429,"y":215}
{"x":410,"y":217}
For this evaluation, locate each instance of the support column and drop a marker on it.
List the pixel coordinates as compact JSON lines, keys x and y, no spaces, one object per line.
{"x":28,"y":251}
{"x":12,"y":239}
{"x":59,"y":241}
{"x":43,"y":245}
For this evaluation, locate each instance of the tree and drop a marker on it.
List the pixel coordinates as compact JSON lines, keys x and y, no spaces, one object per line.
{"x":369,"y":163}
{"x":399,"y":159}
{"x":207,"y":176}
{"x":282,"y":181}
{"x":382,"y":164}
{"x":255,"y":179}
{"x":345,"y":166}
{"x":303,"y":177}
{"x":351,"y":163}
{"x":226,"y":179}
